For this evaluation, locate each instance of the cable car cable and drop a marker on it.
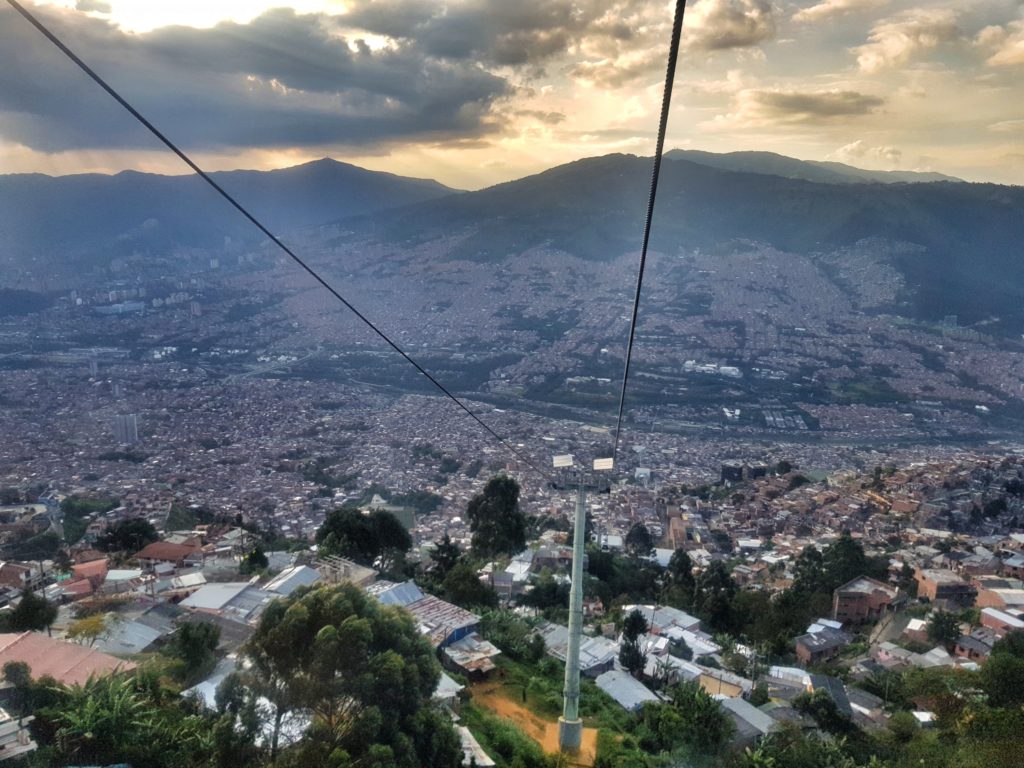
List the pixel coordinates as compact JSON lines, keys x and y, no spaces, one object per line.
{"x":241,"y":209}
{"x":673,"y":55}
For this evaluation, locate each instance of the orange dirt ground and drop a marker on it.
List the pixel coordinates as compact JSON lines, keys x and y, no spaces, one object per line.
{"x":493,"y":697}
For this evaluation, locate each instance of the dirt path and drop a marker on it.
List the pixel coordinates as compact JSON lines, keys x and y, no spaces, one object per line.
{"x":495,"y":698}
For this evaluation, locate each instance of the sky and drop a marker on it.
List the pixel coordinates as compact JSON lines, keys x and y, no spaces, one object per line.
{"x":477,"y":92}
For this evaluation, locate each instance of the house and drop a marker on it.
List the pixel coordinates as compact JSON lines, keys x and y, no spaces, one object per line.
{"x":751,"y":723}
{"x":176,"y":555}
{"x":823,"y":641}
{"x":999,"y":593}
{"x":290,"y":579}
{"x":447,"y":693}
{"x":95,"y":571}
{"x":20,"y":576}
{"x":976,"y":646}
{"x":944,"y":587}
{"x":238,"y":601}
{"x":1001,"y":622}
{"x":338,"y":570}
{"x":472,"y":656}
{"x":862,"y":600}
{"x":835,"y":689}
{"x":1013,"y":567}
{"x":597,"y":654}
{"x":442,"y":622}
{"x":15,"y":739}
{"x":472,"y":752}
{"x":629,"y":693}
{"x":67,"y":663}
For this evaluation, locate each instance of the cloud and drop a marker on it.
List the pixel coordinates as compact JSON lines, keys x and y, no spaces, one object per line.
{"x":92,"y":5}
{"x":1005,"y":43}
{"x":827,"y":9}
{"x":547,"y":118}
{"x":859,"y":150}
{"x":896,"y":40}
{"x":502,"y":32}
{"x":804,"y":107}
{"x":1008,"y":126}
{"x":284,"y":79}
{"x":715,"y":25}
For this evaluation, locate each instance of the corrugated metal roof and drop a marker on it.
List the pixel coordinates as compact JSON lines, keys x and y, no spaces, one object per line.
{"x":629,"y":693}
{"x":389,"y":593}
{"x":291,"y":579}
{"x":213,"y":597}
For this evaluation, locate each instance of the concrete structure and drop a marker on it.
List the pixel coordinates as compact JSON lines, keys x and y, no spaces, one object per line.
{"x":862,"y":600}
{"x":941,"y":586}
{"x":999,"y":593}
{"x":126,"y":429}
{"x":570,"y":726}
{"x":821,"y":643}
{"x":1001,"y":622}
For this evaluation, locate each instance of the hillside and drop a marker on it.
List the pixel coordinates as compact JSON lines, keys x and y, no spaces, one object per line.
{"x":824,"y":172}
{"x":593,"y":208}
{"x":92,"y":217}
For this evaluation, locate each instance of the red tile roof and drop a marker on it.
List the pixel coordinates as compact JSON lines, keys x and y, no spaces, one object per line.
{"x":165,"y":550}
{"x":68,"y":663}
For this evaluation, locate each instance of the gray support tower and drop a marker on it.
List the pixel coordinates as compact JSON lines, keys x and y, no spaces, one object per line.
{"x":570,"y":726}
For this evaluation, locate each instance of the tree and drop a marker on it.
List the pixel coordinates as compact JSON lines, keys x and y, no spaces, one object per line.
{"x":195,"y":643}
{"x":1002,"y":678}
{"x":638,"y":541}
{"x":19,"y":676}
{"x":125,"y":719}
{"x":361,"y":670}
{"x":88,"y":630}
{"x":497,"y":524}
{"x":680,"y":569}
{"x":463,"y":587}
{"x":128,"y":535}
{"x":32,"y":614}
{"x":943,"y":627}
{"x":843,"y":560}
{"x":809,"y":570}
{"x":378,"y":538}
{"x":631,"y":655}
{"x":713,"y":596}
{"x":1013,"y":644}
{"x":445,"y":555}
{"x":254,"y":562}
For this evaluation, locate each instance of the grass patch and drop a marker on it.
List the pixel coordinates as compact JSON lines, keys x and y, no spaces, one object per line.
{"x":504,"y":742}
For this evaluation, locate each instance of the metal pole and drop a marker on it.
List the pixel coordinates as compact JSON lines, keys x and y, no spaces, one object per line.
{"x":570,"y":727}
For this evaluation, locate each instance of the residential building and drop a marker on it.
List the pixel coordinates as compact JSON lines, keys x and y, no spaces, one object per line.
{"x":862,"y":600}
{"x":67,"y":663}
{"x":944,"y":587}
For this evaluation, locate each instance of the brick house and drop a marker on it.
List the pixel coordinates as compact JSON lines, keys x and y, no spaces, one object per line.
{"x":862,"y":600}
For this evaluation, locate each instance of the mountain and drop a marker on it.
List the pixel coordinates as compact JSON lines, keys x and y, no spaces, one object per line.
{"x":84,"y":217}
{"x":810,"y":170}
{"x":968,"y":235}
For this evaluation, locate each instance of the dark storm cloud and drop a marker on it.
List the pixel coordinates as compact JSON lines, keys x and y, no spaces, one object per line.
{"x":793,"y":105}
{"x":723,"y":24}
{"x":283,"y":80}
{"x":507,"y":32}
